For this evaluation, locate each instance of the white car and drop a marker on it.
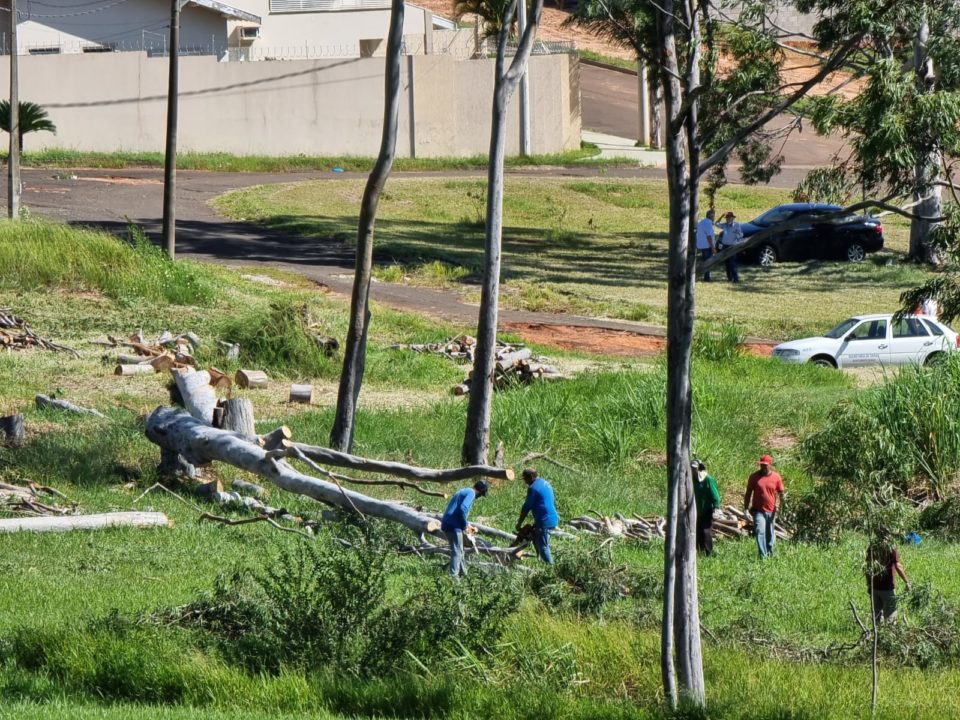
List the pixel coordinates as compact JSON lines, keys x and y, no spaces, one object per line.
{"x":874,"y":340}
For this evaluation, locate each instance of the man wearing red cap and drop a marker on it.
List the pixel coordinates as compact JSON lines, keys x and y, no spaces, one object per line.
{"x":764,"y":490}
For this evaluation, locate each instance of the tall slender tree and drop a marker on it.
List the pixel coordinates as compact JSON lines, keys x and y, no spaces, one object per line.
{"x":355,"y":347}
{"x":169,"y":231}
{"x":476,"y":440}
{"x":13,"y":158}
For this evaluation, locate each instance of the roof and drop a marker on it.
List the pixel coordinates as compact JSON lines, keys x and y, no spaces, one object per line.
{"x":227,"y":11}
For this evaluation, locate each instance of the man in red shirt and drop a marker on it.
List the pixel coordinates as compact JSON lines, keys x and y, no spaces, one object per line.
{"x":883,"y":561}
{"x":764,"y":490}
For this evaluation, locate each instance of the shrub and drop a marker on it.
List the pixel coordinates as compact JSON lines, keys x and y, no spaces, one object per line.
{"x":583,"y":580}
{"x":943,"y":518}
{"x":929,"y":635}
{"x":335,"y":604}
{"x":721,"y":346}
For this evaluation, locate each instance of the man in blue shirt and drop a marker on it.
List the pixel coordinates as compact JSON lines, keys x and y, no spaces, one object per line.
{"x":539,"y":502}
{"x":454,"y":523}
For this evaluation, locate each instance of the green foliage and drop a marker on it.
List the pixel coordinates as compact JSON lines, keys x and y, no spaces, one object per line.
{"x":280,"y":339}
{"x":825,"y":185}
{"x":929,"y":635}
{"x":583,"y":580}
{"x":942,"y":518}
{"x":721,"y":346}
{"x":944,"y":287}
{"x":492,"y":12}
{"x":903,"y":435}
{"x":31,"y":117}
{"x":37,"y":253}
{"x":329,"y":605}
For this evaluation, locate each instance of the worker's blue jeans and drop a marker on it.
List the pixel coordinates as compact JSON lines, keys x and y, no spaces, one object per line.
{"x":457,"y":566}
{"x":763,"y":528}
{"x":541,"y":541}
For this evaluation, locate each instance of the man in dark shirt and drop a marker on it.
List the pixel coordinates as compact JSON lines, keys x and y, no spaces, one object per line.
{"x":545,"y":519}
{"x":883,"y":561}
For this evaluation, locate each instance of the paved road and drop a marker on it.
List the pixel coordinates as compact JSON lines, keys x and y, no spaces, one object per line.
{"x":110,"y":199}
{"x":608,"y":101}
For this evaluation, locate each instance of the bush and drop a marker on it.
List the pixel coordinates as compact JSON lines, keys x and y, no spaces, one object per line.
{"x":583,"y":580}
{"x":335,"y":604}
{"x":929,"y":635}
{"x":943,"y":518}
{"x":283,"y":341}
{"x":903,"y":435}
{"x":721,"y":346}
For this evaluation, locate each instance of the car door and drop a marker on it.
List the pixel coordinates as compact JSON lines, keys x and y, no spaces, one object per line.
{"x":866,"y":344}
{"x":806,"y":238}
{"x":910,"y":341}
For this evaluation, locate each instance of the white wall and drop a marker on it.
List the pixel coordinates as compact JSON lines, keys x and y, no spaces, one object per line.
{"x":117,"y":101}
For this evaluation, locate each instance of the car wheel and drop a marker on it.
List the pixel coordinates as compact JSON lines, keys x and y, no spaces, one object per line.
{"x":823,"y":361}
{"x":767,"y":256}
{"x":856,"y":252}
{"x":934,"y":359}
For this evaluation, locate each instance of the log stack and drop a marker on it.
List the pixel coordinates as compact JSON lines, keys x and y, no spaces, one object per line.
{"x":728,"y":522}
{"x":164,"y":352}
{"x":513,"y":363}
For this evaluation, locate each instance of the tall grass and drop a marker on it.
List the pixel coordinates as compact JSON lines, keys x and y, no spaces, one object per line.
{"x":35,"y":253}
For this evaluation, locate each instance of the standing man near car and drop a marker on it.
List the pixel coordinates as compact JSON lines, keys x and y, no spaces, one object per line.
{"x":545,"y":519}
{"x":706,"y":240}
{"x":732,"y":235}
{"x":764,"y":490}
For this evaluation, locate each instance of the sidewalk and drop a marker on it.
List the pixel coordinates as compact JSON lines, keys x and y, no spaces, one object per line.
{"x":620,"y":148}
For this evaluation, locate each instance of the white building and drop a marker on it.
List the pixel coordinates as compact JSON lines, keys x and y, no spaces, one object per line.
{"x":246,"y":30}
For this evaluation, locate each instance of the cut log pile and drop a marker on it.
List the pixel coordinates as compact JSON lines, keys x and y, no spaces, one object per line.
{"x":155,"y":355}
{"x":728,"y":522}
{"x":15,"y":334}
{"x":514,"y":363}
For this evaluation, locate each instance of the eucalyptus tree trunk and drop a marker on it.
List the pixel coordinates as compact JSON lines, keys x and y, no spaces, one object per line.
{"x":656,"y":113}
{"x":927,"y":194}
{"x":169,"y":231}
{"x":355,"y":347}
{"x":13,"y":158}
{"x":680,"y":630}
{"x":476,"y":440}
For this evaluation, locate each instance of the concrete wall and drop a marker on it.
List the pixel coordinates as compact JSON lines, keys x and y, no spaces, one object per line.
{"x":71,"y":26}
{"x":117,"y":101}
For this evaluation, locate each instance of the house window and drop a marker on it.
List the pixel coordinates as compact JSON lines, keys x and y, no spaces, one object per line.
{"x":52,"y":50}
{"x":97,"y":48}
{"x":285,"y":6}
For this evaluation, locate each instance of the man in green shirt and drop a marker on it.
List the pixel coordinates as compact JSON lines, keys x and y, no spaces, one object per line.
{"x":708,"y":500}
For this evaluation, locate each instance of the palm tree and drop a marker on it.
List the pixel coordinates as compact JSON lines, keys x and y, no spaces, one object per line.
{"x":491,"y":12}
{"x":32,"y":118}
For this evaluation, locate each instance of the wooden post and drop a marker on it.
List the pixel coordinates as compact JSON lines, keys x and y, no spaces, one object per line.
{"x":13,"y":159}
{"x":170,"y":156}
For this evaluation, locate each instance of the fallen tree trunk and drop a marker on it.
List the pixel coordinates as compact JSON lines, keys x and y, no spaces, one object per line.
{"x":85,"y":522}
{"x":326,"y":456}
{"x":199,"y":443}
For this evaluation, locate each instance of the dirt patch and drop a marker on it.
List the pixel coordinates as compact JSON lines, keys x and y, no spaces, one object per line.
{"x":605,"y":341}
{"x":120,"y":180}
{"x":599,"y":341}
{"x":779,"y":440}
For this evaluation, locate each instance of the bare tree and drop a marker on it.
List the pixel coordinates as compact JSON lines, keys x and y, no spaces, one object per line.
{"x":355,"y":347}
{"x":13,"y":158}
{"x":169,"y":231}
{"x":476,"y":441}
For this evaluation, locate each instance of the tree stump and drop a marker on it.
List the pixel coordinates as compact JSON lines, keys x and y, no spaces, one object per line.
{"x":238,"y":416}
{"x":301,"y":394}
{"x":12,"y":429}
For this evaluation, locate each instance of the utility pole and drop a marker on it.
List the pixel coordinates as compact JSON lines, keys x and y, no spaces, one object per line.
{"x":170,"y":159}
{"x":13,"y":158}
{"x":524,"y":86}
{"x":644,"y":102}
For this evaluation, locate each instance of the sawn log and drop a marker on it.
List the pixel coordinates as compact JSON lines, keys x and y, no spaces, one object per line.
{"x":84,"y":522}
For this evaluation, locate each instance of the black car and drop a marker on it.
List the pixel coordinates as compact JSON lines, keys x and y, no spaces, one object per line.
{"x":818,"y":233}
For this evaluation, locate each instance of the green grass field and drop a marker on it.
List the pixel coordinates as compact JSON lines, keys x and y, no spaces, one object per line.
{"x":79,"y":631}
{"x":593,"y":247}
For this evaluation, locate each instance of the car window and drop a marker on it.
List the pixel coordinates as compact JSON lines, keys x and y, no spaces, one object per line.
{"x":840,"y":330}
{"x":870,"y":330}
{"x":909,"y":327}
{"x":774,"y":216}
{"x":934,"y":328}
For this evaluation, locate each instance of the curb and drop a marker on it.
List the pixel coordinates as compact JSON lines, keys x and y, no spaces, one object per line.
{"x":607,"y":66}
